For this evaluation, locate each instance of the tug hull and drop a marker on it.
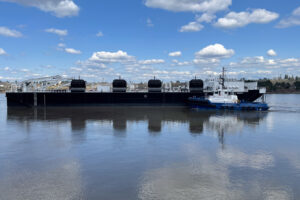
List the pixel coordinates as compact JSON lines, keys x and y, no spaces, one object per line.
{"x":203,"y":103}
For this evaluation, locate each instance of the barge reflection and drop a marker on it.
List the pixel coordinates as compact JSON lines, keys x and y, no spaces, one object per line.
{"x":156,"y":117}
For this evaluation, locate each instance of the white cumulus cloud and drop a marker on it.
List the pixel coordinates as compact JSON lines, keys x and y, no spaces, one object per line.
{"x":205,"y":17}
{"x":191,"y":27}
{"x":212,"y":55}
{"x":209,"y":62}
{"x":271,"y":52}
{"x":9,"y":32}
{"x":293,"y":20}
{"x":260,"y":65}
{"x":2,"y":52}
{"x":151,"y":61}
{"x":234,"y":19}
{"x":175,"y":54}
{"x":189,"y":5}
{"x":72,"y":51}
{"x":59,"y":8}
{"x":196,"y":25}
{"x":111,"y":57}
{"x":215,"y":51}
{"x":59,"y":32}
{"x":178,"y":63}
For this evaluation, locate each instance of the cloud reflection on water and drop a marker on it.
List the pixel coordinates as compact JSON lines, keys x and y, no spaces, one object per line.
{"x":203,"y":176}
{"x":62,"y":181}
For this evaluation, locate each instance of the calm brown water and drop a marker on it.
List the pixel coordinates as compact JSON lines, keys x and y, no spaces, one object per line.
{"x":150,"y":153}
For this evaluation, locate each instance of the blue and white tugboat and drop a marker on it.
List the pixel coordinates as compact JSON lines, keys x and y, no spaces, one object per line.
{"x":224,"y":99}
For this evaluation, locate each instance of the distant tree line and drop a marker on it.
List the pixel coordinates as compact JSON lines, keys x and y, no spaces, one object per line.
{"x":285,"y":84}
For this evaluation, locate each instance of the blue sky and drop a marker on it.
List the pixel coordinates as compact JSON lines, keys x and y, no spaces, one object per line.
{"x":139,"y":39}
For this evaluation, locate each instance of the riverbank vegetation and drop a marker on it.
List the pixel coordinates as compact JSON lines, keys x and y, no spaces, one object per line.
{"x":286,"y":84}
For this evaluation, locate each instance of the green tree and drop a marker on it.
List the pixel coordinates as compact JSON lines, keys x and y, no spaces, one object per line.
{"x":286,"y":77}
{"x":297,"y":85}
{"x":267,"y":84}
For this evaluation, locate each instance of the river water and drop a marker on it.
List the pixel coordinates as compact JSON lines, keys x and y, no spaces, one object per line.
{"x":150,"y":152}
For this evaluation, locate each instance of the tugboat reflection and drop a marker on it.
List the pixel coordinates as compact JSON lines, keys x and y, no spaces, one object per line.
{"x":219,"y":121}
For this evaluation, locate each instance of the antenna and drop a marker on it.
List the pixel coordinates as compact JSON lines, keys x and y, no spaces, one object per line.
{"x":223,"y":77}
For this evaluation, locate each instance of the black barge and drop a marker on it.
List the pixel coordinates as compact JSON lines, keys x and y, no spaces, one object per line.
{"x":77,"y":96}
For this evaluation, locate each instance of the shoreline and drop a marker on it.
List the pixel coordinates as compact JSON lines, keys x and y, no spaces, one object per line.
{"x":283,"y":92}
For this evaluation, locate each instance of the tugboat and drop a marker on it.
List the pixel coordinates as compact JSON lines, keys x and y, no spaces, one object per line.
{"x":226,"y":100}
{"x":223,"y":101}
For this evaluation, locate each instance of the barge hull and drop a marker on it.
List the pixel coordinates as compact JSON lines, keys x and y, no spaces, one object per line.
{"x":30,"y":99}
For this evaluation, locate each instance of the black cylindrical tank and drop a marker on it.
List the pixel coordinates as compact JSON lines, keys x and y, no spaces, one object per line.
{"x":196,"y":85}
{"x":119,"y":85}
{"x":78,"y":85}
{"x":154,"y":85}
